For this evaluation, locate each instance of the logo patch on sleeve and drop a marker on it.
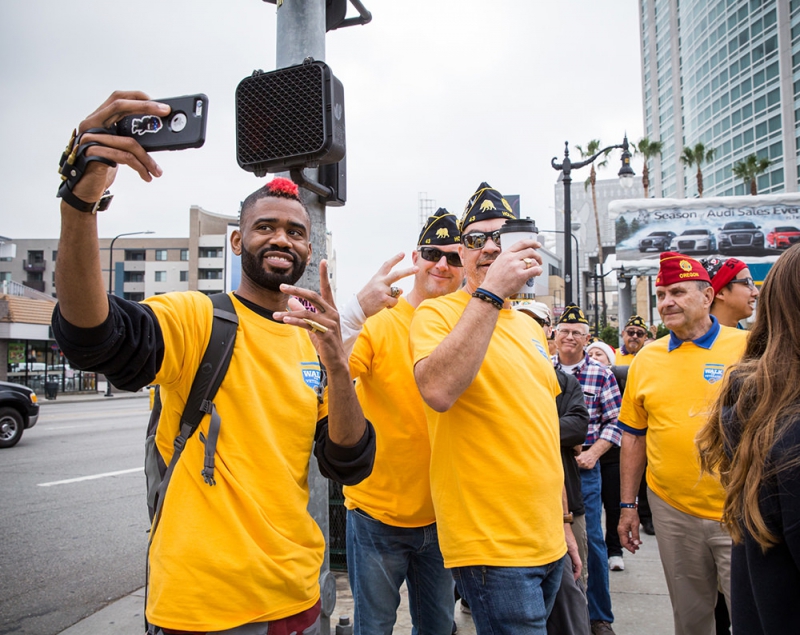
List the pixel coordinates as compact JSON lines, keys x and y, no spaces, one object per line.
{"x":712,"y":373}
{"x":312,"y":374}
{"x":541,"y":349}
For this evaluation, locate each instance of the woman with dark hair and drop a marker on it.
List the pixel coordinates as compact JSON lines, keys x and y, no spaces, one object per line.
{"x":752,"y":440}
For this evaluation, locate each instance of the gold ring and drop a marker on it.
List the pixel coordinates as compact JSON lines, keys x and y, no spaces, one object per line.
{"x":394,"y":291}
{"x":528,"y":262}
{"x":316,"y":327}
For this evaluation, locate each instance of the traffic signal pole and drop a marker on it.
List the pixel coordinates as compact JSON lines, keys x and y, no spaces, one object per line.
{"x":301,"y":34}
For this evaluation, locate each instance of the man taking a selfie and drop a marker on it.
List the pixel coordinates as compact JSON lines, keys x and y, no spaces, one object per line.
{"x":237,"y":552}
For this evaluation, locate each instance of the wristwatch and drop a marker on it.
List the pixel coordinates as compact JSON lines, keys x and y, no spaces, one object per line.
{"x":569,"y":518}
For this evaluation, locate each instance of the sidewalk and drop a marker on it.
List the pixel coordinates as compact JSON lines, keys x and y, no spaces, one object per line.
{"x":66,"y":397}
{"x":639,"y":597}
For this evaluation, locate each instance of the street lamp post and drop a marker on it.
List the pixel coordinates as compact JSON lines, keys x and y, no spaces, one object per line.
{"x":577,"y":251}
{"x":625,"y":174}
{"x":111,"y":280}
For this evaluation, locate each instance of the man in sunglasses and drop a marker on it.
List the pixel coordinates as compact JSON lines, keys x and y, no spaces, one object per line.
{"x":670,"y":386}
{"x":634,"y":336}
{"x":735,"y":293}
{"x":391,"y":526}
{"x":496,"y":476}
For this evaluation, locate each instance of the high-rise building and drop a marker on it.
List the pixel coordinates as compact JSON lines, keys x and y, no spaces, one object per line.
{"x":725,"y":73}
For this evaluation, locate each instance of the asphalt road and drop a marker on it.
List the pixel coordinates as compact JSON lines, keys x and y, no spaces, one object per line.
{"x":70,"y":544}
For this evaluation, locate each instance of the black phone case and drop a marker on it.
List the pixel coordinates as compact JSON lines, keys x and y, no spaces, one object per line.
{"x":184,"y":127}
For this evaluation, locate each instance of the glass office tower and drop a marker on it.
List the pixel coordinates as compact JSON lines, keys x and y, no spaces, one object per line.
{"x":725,"y":73}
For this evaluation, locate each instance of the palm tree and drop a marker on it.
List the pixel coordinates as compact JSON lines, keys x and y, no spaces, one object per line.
{"x":749,"y":168}
{"x":649,"y":150}
{"x":592,"y":148}
{"x":697,"y":155}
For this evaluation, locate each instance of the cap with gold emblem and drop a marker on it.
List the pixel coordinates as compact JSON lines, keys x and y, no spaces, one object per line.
{"x":572,"y":315}
{"x":636,"y":320}
{"x":440,"y":229}
{"x":484,"y":204}
{"x":675,"y":267}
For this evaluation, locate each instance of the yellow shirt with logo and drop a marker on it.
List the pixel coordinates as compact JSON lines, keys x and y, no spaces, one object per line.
{"x":247,"y":547}
{"x":669,"y":395}
{"x":398,"y":492}
{"x":496,"y":474}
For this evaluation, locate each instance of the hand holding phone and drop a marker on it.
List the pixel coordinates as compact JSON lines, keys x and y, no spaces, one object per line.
{"x":184,"y":127}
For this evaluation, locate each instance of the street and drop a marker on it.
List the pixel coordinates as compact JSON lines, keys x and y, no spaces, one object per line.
{"x":72,"y":543}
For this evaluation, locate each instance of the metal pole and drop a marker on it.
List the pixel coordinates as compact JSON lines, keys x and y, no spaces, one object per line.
{"x":301,"y":34}
{"x":567,"y":230}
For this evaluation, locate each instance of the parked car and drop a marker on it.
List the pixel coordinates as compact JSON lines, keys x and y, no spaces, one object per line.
{"x":694,"y":239}
{"x":659,"y":241}
{"x":783,"y":237}
{"x":740,"y":234}
{"x":19,"y":410}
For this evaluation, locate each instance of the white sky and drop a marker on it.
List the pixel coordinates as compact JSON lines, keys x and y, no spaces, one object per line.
{"x":439,"y":96}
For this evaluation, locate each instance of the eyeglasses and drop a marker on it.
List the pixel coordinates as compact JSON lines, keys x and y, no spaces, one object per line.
{"x":575,"y":334}
{"x":477,"y":240}
{"x":748,"y":281}
{"x":633,"y":333}
{"x":431,"y":254}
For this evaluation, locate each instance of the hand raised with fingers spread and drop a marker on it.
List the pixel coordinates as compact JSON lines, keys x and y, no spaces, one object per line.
{"x":380,"y":292}
{"x":322,"y":325}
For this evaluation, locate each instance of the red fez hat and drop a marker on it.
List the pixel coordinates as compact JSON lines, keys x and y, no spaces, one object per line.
{"x":679,"y":268}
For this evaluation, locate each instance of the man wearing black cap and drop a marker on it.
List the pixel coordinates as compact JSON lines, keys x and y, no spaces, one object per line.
{"x":633,"y":338}
{"x":391,"y":526}
{"x":602,"y":397}
{"x":489,"y":387}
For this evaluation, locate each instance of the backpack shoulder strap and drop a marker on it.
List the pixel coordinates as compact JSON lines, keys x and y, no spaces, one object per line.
{"x":207,"y":380}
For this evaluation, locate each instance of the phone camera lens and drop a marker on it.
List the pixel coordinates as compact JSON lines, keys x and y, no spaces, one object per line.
{"x":177,"y":122}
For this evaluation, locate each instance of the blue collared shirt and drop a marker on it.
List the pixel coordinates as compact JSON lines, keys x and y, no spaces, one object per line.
{"x":705,"y":341}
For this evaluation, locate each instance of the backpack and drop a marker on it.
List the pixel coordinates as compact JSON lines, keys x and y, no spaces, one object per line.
{"x":207,"y":380}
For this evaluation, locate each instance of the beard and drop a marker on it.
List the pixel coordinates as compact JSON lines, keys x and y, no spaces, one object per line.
{"x":254,"y":270}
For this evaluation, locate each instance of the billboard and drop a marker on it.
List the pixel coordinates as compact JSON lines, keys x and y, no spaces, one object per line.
{"x":747,"y":227}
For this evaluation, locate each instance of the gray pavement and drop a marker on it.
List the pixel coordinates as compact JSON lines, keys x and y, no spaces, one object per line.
{"x":639,"y":597}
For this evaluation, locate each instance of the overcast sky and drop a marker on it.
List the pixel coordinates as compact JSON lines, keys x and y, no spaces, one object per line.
{"x":439,"y":96}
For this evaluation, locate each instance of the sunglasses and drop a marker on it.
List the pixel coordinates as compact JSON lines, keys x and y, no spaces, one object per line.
{"x":747,"y":281}
{"x":477,"y":240}
{"x":635,"y":333}
{"x":431,"y":254}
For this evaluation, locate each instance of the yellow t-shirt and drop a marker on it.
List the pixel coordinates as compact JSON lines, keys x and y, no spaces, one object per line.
{"x":245,"y":550}
{"x":398,"y":492}
{"x":623,"y":360}
{"x":669,"y":395}
{"x":496,"y":474}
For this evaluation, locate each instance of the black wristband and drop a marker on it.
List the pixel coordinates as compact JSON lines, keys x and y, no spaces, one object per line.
{"x":82,"y":206}
{"x":489,"y":297}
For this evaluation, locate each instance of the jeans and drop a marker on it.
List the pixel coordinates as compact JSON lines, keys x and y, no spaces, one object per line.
{"x":510,"y":600}
{"x":597,"y":592}
{"x":379,"y":558}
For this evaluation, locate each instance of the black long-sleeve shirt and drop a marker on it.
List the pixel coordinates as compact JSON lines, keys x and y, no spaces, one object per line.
{"x":573,"y":418}
{"x":128,"y":348}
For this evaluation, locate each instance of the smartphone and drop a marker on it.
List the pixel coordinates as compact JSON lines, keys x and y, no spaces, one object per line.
{"x":184,"y":127}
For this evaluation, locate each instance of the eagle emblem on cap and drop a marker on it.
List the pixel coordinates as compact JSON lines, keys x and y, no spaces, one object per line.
{"x":685,"y":265}
{"x":487,"y":205}
{"x":442,"y":233}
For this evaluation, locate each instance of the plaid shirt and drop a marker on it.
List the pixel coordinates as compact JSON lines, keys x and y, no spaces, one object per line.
{"x":602,"y":397}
